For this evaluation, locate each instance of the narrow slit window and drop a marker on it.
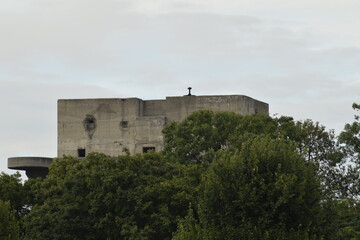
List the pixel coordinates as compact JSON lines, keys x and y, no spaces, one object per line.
{"x":81,"y":152}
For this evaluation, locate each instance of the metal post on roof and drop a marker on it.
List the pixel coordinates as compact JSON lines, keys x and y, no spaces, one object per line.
{"x":189,"y":91}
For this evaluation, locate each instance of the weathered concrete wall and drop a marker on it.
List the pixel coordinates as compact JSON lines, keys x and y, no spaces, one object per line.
{"x":178,"y":108}
{"x":110,"y":125}
{"x":97,"y":125}
{"x":148,"y":133}
{"x":154,"y":107}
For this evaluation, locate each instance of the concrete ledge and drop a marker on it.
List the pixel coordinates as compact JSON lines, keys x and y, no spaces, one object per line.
{"x":23,"y":163}
{"x":34,"y":166}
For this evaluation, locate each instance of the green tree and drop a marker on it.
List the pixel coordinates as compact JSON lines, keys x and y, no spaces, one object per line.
{"x":264,"y":191}
{"x":189,"y":140}
{"x":349,"y":180}
{"x":9,"y":226}
{"x":13,"y":191}
{"x":102,"y":197}
{"x":350,"y":139}
{"x":204,"y":131}
{"x":320,"y":147}
{"x":348,"y":219}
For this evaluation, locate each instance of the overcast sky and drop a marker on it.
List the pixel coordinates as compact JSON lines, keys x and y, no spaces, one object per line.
{"x":301,"y":57}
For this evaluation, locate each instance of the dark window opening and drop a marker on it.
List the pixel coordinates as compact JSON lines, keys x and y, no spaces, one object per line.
{"x":81,"y":152}
{"x":124,"y":124}
{"x":147,"y":149}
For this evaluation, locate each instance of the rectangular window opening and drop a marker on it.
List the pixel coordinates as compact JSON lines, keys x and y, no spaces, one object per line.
{"x":81,"y":152}
{"x":147,"y":149}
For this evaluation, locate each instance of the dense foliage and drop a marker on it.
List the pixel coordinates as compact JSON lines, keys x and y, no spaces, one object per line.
{"x":101,"y":197}
{"x":264,"y":191}
{"x":221,"y":176}
{"x":9,"y":227}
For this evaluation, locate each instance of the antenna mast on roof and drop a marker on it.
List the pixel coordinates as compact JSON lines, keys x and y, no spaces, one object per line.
{"x":189,"y":91}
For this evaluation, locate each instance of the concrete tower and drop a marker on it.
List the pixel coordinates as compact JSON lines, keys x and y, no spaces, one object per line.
{"x":110,"y":125}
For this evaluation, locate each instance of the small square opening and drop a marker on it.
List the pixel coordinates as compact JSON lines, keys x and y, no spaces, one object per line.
{"x":81,"y":152}
{"x":147,"y":149}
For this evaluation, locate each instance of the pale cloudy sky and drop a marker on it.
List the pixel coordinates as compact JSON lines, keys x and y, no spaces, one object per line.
{"x":301,"y":57}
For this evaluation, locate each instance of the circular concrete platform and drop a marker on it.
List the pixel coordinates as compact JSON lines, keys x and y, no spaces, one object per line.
{"x":34,"y":166}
